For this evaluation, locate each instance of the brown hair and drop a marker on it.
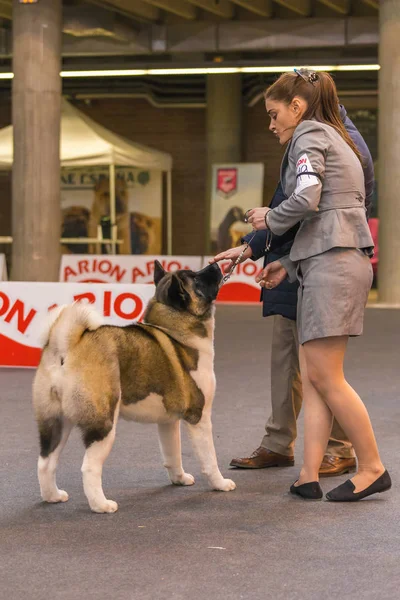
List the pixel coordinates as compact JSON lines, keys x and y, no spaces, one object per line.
{"x":319,"y":91}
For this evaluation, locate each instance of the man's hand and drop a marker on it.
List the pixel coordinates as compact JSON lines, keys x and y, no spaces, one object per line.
{"x":232,"y":254}
{"x":272,"y":275}
{"x":256,"y":217}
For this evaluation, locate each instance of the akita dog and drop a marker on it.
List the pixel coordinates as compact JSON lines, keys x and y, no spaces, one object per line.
{"x":159,"y":371}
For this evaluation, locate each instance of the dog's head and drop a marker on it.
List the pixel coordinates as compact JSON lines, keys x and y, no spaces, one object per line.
{"x":102,"y":196}
{"x":141,"y":232}
{"x":75,"y":220}
{"x":75,"y":224}
{"x":237,"y":213}
{"x":186,"y":290}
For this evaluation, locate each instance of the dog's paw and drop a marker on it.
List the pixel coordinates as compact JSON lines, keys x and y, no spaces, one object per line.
{"x":109,"y":506}
{"x":226,"y":485}
{"x":184,"y":479}
{"x":59,"y":496}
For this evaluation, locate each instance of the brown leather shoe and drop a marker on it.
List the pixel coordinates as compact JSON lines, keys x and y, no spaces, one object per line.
{"x":262,"y":458}
{"x":332,"y":466}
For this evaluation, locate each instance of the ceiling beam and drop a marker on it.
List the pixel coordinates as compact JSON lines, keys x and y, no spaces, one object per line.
{"x":373,"y":3}
{"x":221,"y":8}
{"x":302,"y":7}
{"x":340,"y":6}
{"x":131,"y":8}
{"x":259,"y":7}
{"x":178,"y":7}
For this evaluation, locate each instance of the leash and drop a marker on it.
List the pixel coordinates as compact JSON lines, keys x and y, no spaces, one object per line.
{"x":239,"y":258}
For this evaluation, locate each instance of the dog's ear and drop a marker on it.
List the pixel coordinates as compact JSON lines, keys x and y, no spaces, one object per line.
{"x":178,"y":297}
{"x":158,"y":272}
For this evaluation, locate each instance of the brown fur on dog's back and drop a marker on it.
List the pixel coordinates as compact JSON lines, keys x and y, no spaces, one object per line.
{"x":90,"y":405}
{"x":86,"y":369}
{"x":139,"y":359}
{"x":58,"y":385}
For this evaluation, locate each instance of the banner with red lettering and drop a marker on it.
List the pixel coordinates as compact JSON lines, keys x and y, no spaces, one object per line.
{"x":139,"y":269}
{"x":120,"y":269}
{"x":3,"y":268}
{"x":24,"y":307}
{"x":241,"y":287}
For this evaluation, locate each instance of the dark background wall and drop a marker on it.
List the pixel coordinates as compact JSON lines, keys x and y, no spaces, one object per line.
{"x":182,"y":133}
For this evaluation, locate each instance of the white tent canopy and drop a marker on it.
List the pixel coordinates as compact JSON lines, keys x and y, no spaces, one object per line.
{"x":86,"y":143}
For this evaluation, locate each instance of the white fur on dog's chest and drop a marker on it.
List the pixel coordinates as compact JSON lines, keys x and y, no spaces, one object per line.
{"x":204,"y":376}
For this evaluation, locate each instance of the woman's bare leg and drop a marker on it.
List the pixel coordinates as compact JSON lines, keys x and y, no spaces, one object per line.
{"x":317,"y":426}
{"x":324,"y":364}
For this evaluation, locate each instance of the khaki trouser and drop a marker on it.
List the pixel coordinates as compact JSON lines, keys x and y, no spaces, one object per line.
{"x":286,"y":396}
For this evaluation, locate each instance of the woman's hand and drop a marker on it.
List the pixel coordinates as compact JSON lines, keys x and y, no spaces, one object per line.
{"x":272,"y":275}
{"x":256,"y":217}
{"x":232,"y":254}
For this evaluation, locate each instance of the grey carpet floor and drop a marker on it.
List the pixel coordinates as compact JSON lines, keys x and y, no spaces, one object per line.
{"x":174,"y":543}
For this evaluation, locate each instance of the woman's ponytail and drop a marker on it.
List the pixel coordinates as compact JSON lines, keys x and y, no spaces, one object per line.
{"x":328,"y":107}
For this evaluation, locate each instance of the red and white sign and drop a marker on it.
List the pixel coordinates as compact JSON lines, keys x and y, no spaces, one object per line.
{"x":3,"y":268}
{"x":24,"y":307}
{"x":87,"y":268}
{"x":241,"y":287}
{"x":227,"y":181}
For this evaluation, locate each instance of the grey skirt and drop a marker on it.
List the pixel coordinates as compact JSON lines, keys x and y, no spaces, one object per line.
{"x":333,"y":292}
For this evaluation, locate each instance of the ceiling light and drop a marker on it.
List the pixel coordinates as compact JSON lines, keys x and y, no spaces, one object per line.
{"x":202,"y":71}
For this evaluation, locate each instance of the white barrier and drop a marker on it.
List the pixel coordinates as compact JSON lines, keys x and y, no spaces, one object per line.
{"x":139,"y":269}
{"x":24,"y":306}
{"x":87,"y":268}
{"x":3,"y":268}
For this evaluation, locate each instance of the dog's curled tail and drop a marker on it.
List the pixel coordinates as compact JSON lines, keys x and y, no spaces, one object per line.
{"x":66,"y":325}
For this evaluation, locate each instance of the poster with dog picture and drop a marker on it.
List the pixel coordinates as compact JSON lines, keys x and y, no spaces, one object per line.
{"x":85,"y":207}
{"x":235,"y":188}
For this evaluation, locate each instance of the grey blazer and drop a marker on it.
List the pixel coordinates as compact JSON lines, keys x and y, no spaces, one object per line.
{"x":324,"y":182}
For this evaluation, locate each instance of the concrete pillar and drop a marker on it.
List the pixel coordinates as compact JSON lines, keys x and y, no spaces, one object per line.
{"x":389,"y":153}
{"x":36,"y":107}
{"x":224,"y":128}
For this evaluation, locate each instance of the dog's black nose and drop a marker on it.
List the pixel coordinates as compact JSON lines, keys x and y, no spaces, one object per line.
{"x":211,"y":272}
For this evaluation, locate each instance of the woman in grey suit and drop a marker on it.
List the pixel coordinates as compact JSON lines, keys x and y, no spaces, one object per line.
{"x":323,"y":180}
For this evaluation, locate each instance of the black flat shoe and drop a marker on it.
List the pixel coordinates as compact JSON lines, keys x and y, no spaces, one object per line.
{"x":345,"y":492}
{"x":308,"y":491}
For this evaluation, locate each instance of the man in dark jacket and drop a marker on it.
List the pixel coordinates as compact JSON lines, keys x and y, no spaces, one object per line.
{"x":277,"y":446}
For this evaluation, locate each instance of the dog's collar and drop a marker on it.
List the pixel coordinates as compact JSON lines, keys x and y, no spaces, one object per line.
{"x":167,"y":332}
